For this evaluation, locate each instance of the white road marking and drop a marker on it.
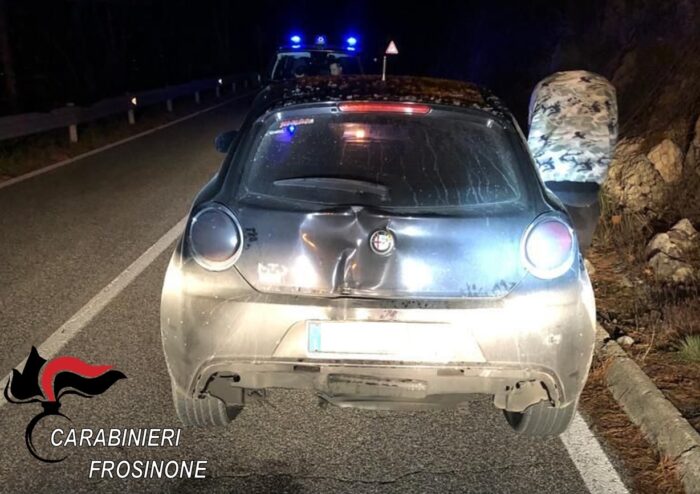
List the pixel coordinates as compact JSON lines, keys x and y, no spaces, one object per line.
{"x":87,"y":313}
{"x":592,"y":463}
{"x":49,"y":168}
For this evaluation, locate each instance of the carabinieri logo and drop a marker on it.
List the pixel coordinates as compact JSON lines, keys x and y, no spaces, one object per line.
{"x":46,"y":382}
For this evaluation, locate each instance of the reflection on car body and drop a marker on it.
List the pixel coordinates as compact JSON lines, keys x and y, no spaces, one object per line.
{"x":406,"y":255}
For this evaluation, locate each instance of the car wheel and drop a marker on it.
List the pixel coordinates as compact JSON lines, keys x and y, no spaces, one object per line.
{"x":206,"y":411}
{"x":541,"y":419}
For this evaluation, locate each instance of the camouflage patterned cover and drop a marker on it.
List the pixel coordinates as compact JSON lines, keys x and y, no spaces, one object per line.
{"x":573,"y":126}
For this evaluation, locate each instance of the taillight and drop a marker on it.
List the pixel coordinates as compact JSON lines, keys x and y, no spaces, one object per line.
{"x":548,"y":248}
{"x":383,"y":107}
{"x":215,"y":237}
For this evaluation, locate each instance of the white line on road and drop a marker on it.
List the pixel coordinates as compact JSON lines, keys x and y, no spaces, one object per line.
{"x":46,"y":169}
{"x":87,"y":313}
{"x":591,"y":461}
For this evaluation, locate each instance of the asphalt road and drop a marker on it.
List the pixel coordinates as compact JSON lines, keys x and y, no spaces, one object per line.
{"x":67,"y":233}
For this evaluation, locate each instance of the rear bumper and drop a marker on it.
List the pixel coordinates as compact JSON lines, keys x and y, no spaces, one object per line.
{"x":382,"y":384}
{"x":536,"y":343}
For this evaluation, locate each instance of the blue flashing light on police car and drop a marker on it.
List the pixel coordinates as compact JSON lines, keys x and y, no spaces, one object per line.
{"x":304,"y":54}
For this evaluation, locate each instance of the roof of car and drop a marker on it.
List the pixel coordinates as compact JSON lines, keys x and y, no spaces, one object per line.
{"x":371,"y":88}
{"x":316,"y":48}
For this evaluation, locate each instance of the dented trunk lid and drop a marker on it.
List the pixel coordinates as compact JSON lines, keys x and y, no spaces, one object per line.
{"x":328,"y":253}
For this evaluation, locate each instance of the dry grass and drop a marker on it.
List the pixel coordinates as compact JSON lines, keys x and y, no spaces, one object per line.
{"x":622,"y":231}
{"x":647,"y":471}
{"x":663,"y":316}
{"x":629,"y":296}
{"x":680,"y":320}
{"x":659,"y":317}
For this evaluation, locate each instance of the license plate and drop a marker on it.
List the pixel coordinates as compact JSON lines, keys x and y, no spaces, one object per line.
{"x":418,"y":342}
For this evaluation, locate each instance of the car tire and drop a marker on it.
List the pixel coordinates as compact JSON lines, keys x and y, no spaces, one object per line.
{"x":541,"y":419}
{"x":205,"y":411}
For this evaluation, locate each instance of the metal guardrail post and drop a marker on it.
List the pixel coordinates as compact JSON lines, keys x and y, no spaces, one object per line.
{"x":72,"y":129}
{"x":130,"y":113}
{"x":73,"y":133}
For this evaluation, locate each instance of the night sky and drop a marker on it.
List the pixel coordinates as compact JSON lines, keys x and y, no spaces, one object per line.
{"x":85,"y":50}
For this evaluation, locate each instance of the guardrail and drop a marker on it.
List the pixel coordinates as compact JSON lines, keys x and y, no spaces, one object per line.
{"x":71,"y":116}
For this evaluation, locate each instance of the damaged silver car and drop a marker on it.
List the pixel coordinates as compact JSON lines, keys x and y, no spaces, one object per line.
{"x":383,"y":245}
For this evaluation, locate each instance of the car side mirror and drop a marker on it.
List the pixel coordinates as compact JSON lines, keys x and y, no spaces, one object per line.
{"x":223,"y":141}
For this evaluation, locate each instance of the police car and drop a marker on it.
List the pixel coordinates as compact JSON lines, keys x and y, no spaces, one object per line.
{"x":299,"y":59}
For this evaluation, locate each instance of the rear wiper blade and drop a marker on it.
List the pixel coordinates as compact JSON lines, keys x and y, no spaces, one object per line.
{"x":336,"y":183}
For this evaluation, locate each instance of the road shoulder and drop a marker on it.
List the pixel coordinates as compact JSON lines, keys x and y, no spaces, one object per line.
{"x":662,"y":424}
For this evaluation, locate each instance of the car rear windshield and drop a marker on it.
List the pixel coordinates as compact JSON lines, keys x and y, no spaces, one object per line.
{"x":313,"y":63}
{"x":445,"y":160}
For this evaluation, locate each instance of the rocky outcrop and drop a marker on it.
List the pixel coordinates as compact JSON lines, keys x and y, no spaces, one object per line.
{"x":667,"y":158}
{"x":663,"y":183}
{"x":633,"y":182}
{"x":668,"y":254}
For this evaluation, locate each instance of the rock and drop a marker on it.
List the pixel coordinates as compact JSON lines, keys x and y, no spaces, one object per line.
{"x":667,"y":158}
{"x":625,"y":282}
{"x":668,"y":253}
{"x":681,"y":242}
{"x":686,"y":227}
{"x":683,"y":235}
{"x":633,"y":182}
{"x":625,"y":341}
{"x":661,"y":242}
{"x":589,"y":267}
{"x":683,"y":274}
{"x":669,"y":269}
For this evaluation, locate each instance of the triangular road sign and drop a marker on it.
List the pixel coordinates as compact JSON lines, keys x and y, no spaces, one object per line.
{"x":391,"y":49}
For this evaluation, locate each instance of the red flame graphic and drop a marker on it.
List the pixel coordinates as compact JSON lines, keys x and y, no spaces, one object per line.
{"x":67,"y":364}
